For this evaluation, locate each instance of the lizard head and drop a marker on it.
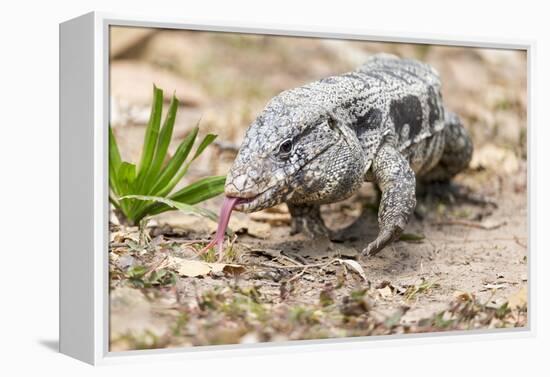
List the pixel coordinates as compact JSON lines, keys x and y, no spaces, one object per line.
{"x":295,"y":153}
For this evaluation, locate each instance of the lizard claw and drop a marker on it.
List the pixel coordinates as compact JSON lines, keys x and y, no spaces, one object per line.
{"x":383,"y":239}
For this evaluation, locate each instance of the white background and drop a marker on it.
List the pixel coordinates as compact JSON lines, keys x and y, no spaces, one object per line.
{"x":29,"y":183}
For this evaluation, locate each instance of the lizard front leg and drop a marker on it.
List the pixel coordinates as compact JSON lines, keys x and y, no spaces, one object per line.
{"x":306,"y":219}
{"x":396,"y":180}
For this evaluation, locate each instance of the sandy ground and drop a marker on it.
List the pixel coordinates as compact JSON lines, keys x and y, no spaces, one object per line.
{"x":453,"y":251}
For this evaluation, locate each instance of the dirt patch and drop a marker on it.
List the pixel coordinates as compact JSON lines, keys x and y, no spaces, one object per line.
{"x":456,"y":255}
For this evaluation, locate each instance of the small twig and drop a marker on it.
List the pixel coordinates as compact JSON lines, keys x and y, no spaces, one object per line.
{"x":471,"y":224}
{"x":505,"y":282}
{"x":297,"y":276}
{"x":285,"y":257}
{"x":306,"y":266}
{"x":187,"y":241}
{"x":118,"y":244}
{"x":325,"y":264}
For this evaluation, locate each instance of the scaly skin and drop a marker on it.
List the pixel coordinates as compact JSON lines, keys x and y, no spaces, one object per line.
{"x":316,"y":144}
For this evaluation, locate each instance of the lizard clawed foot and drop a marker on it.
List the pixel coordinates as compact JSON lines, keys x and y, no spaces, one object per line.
{"x":468,"y":195}
{"x":385,"y":237}
{"x":453,"y":192}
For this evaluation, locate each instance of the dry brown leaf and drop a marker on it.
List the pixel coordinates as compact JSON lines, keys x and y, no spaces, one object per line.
{"x":491,"y":224}
{"x":190,"y":268}
{"x":194,"y":268}
{"x":463,"y":296}
{"x":231,"y":269}
{"x":385,"y":292}
{"x":495,"y":158}
{"x":518,"y":299}
{"x":123,"y":235}
{"x":355,"y":266}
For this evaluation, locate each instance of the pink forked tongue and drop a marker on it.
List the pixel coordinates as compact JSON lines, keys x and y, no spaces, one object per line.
{"x":225,"y":214}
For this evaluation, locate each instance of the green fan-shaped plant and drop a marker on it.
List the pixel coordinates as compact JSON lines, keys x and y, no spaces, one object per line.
{"x":146,"y":189}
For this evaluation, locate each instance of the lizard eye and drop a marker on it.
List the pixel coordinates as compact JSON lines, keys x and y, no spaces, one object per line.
{"x":285,"y":148}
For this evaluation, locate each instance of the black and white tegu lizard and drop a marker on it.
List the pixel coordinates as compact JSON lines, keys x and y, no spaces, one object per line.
{"x":316,"y":144}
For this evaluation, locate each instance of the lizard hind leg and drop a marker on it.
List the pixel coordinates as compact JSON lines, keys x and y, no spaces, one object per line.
{"x":457,"y":152}
{"x":397,"y":182}
{"x":456,"y":157}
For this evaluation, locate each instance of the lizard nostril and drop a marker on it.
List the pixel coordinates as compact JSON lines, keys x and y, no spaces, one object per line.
{"x":239,"y":187}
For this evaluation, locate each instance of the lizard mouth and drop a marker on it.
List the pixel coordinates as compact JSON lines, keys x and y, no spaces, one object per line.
{"x":253,"y":203}
{"x":243,"y":201}
{"x":247,"y":204}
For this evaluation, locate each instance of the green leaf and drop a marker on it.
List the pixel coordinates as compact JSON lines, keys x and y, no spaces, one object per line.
{"x":186,"y":208}
{"x":194,"y":193}
{"x":151,"y":134}
{"x":149,"y":179}
{"x":146,"y":186}
{"x":200,"y":190}
{"x":175,"y":163}
{"x":114,"y":202}
{"x":208,"y":139}
{"x":114,"y":154}
{"x":136,"y":272}
{"x":114,"y":162}
{"x":411,"y":237}
{"x":162,"y":145}
{"x":126,"y":176}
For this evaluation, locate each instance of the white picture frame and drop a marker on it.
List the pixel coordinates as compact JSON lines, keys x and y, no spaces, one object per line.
{"x":84,"y":115}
